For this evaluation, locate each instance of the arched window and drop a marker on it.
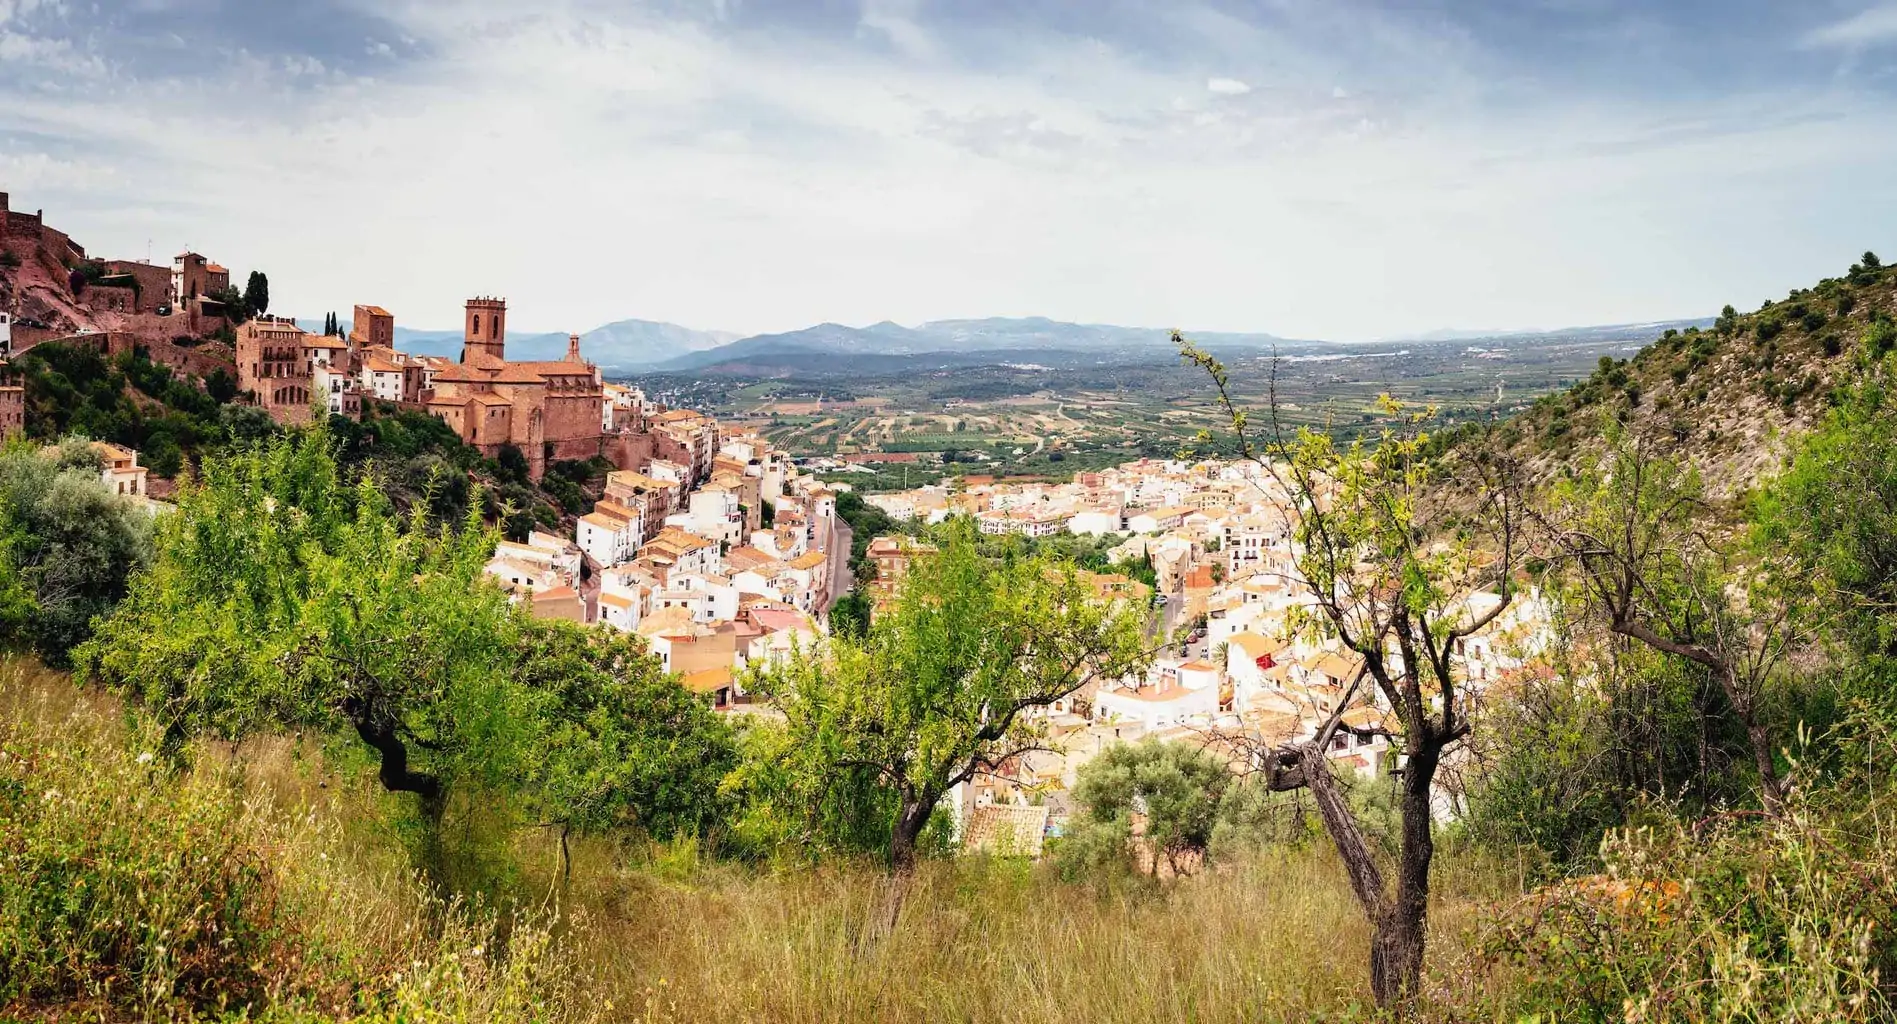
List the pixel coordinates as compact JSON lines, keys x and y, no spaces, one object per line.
{"x":477,"y":325}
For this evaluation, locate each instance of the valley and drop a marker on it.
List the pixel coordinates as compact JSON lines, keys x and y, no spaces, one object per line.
{"x":905,"y":419}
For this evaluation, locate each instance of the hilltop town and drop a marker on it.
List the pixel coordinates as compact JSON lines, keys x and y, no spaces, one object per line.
{"x":711,"y":545}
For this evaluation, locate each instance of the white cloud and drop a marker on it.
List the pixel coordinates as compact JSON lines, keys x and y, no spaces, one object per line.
{"x":1875,"y":26}
{"x":1227,"y":86}
{"x":593,"y":166}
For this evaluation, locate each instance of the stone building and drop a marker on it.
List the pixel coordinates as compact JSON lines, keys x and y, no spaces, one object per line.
{"x":547,"y":409}
{"x":154,"y":282}
{"x":275,"y":358}
{"x":193,"y":276}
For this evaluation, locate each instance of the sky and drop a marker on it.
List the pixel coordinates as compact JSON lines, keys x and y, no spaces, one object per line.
{"x":1340,"y":169}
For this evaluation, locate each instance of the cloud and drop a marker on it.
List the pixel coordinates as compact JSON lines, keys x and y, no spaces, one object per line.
{"x":764,"y":166}
{"x":895,"y":20}
{"x":1876,"y":26}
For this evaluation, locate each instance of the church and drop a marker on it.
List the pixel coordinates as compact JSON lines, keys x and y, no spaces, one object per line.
{"x":549,"y":410}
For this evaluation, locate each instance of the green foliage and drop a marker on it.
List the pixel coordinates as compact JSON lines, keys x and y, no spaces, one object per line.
{"x":1574,"y":755}
{"x":939,"y":687}
{"x":1881,"y":337}
{"x":67,"y":546}
{"x":851,"y":614}
{"x":1176,"y":791}
{"x":256,"y":295}
{"x":121,"y":882}
{"x":1722,"y":919}
{"x":75,"y":390}
{"x":867,"y":522}
{"x":620,"y":745}
{"x":1832,"y":514}
{"x":282,"y":596}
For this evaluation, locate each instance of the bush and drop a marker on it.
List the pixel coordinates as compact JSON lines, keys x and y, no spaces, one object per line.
{"x":1718,"y":920}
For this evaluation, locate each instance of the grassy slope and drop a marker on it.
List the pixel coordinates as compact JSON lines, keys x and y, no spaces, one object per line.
{"x":273,"y":878}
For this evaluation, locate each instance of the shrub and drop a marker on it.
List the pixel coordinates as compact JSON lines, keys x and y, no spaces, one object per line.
{"x":1719,"y":920}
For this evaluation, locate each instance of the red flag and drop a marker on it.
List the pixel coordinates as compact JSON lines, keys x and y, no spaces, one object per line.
{"x":1265,"y":662}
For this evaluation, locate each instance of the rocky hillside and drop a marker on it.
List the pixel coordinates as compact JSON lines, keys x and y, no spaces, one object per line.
{"x":1725,"y":397}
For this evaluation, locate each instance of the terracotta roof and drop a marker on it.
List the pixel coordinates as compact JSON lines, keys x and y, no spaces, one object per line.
{"x":1254,"y":645}
{"x":484,"y":398}
{"x":616,"y":600}
{"x":458,"y":373}
{"x":809,"y":560}
{"x":707,"y":680}
{"x":376,"y":311}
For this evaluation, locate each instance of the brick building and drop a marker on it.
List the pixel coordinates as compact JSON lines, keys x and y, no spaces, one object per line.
{"x":372,"y":327}
{"x":547,"y":409}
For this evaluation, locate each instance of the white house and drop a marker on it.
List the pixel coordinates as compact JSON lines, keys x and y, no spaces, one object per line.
{"x":381,"y":378}
{"x":606,"y":538}
{"x":1096,"y":522}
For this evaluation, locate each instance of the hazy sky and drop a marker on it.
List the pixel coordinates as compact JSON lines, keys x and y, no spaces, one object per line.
{"x":1313,"y":168}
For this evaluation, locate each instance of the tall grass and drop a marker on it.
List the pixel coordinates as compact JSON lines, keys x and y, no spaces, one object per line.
{"x":133,"y":888}
{"x":259,"y":883}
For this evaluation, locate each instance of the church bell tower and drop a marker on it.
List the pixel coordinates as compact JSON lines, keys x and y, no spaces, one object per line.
{"x":485,"y":331}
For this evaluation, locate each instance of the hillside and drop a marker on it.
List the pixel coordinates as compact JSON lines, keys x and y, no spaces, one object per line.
{"x":1728,"y":396}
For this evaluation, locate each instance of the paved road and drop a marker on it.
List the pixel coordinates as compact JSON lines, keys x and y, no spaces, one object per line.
{"x":841,"y":579}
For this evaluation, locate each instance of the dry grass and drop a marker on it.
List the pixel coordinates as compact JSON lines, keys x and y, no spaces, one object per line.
{"x":343,"y":930}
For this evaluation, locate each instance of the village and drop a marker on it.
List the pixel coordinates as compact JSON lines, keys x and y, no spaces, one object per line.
{"x":713,"y":545}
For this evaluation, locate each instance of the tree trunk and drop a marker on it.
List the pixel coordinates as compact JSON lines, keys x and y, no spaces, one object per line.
{"x":912,"y":816}
{"x":1396,"y":948}
{"x":392,"y":759}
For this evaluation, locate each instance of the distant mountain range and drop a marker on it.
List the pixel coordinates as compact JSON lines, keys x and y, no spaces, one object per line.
{"x":646,"y":346}
{"x":620,"y":345}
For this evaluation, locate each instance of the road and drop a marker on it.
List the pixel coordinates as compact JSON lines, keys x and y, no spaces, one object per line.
{"x":841,"y":537}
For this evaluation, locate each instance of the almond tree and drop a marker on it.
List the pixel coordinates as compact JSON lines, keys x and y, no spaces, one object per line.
{"x":1389,"y":551}
{"x":1634,"y":534}
{"x":943,"y":686}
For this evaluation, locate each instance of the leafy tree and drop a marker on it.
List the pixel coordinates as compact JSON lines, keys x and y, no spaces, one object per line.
{"x":1834,"y":514}
{"x":851,"y":614}
{"x":1390,"y":573}
{"x":513,"y":465}
{"x":943,"y":685}
{"x":70,"y":545}
{"x":256,"y":294}
{"x":620,"y":745}
{"x":1176,"y":788}
{"x":282,"y":597}
{"x":1630,"y":536}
